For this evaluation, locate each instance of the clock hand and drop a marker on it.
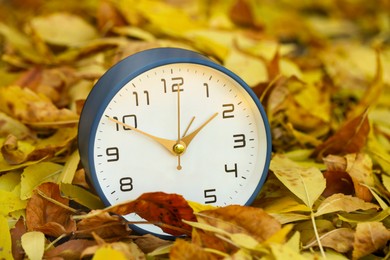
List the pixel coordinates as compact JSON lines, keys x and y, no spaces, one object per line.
{"x":178,"y":148}
{"x":188,"y":138}
{"x":166,"y":143}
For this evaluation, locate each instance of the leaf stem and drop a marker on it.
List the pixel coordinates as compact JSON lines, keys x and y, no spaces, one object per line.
{"x":317,"y":235}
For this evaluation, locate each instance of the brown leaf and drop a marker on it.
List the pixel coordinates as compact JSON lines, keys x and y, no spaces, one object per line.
{"x":241,"y":13}
{"x":359,"y":167}
{"x":11,"y":151}
{"x":43,"y":215}
{"x":182,"y":249}
{"x":16,"y":234}
{"x":350,"y":138}
{"x":166,"y":210}
{"x":369,"y":237}
{"x":241,"y":219}
{"x":208,"y":240}
{"x":71,"y":249}
{"x":108,"y":16}
{"x":103,"y":225}
{"x":337,"y":179}
{"x":340,"y":240}
{"x":148,"y":243}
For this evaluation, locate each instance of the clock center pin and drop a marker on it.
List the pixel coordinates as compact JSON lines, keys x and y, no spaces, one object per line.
{"x":179,"y":148}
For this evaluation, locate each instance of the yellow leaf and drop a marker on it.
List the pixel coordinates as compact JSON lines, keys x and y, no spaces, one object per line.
{"x":341,"y":202}
{"x":306,"y":183}
{"x":5,"y":240}
{"x":251,"y":69}
{"x":283,"y":252}
{"x":70,"y":168}
{"x":34,"y":175}
{"x":33,"y":244}
{"x":9,"y":181}
{"x":197,"y":207}
{"x":28,"y":106}
{"x":9,"y":201}
{"x":107,"y":252}
{"x":63,"y":29}
{"x":81,"y":196}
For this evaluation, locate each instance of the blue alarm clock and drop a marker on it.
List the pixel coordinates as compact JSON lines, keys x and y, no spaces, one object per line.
{"x":172,"y":120}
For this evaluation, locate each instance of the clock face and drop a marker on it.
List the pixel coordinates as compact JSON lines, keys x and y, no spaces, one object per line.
{"x":223,"y":163}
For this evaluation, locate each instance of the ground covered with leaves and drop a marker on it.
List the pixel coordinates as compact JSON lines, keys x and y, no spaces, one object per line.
{"x":320,"y":68}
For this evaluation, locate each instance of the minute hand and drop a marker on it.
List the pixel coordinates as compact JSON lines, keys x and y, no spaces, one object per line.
{"x":188,"y":138}
{"x":168,"y":144}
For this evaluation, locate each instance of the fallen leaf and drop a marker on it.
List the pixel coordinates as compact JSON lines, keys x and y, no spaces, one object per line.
{"x":359,"y":167}
{"x":16,"y":234}
{"x":306,"y":183}
{"x":340,"y":239}
{"x":341,"y":202}
{"x":252,"y":221}
{"x":369,"y":237}
{"x":81,"y":195}
{"x":349,"y":138}
{"x":9,"y":125}
{"x":10,"y":201}
{"x":63,"y":29}
{"x":5,"y":239}
{"x":47,"y":217}
{"x":15,"y":152}
{"x":182,"y":249}
{"x":29,"y":107}
{"x":148,"y":243}
{"x":33,"y":244}
{"x":37,"y":174}
{"x":165,"y":210}
{"x":103,"y":225}
{"x":107,"y":252}
{"x":71,"y":249}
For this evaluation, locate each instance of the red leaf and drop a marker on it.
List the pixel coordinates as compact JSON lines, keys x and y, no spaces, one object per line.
{"x":165,"y":210}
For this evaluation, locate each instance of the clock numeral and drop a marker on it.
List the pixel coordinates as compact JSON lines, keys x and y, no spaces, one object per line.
{"x":207,"y":89}
{"x":227,"y":113}
{"x":175,"y":86}
{"x":126,"y":184}
{"x":135,"y":93}
{"x":112,"y":154}
{"x":240,"y":140}
{"x":128,"y":120}
{"x":210,"y":196}
{"x":232,"y":170}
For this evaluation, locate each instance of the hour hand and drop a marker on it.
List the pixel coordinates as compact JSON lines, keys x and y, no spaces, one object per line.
{"x":166,"y":143}
{"x":188,"y":138}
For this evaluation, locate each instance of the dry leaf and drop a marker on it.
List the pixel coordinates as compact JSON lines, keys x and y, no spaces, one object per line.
{"x":369,"y":237}
{"x":43,"y":215}
{"x":239,"y":219}
{"x":350,"y":138}
{"x":182,"y":249}
{"x":70,"y":249}
{"x":341,"y":202}
{"x":306,"y":183}
{"x":103,"y":225}
{"x":340,"y":239}
{"x":165,"y":210}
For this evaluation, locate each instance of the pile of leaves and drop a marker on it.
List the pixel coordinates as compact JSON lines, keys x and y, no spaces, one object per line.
{"x":320,"y":68}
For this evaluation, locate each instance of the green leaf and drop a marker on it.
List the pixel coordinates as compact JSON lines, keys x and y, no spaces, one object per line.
{"x":33,"y":244}
{"x":306,"y":183}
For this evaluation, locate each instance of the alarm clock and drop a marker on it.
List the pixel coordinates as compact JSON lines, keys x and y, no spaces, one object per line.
{"x":172,"y":120}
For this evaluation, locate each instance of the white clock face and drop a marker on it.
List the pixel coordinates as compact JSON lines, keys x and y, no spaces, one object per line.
{"x":222,"y":164}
